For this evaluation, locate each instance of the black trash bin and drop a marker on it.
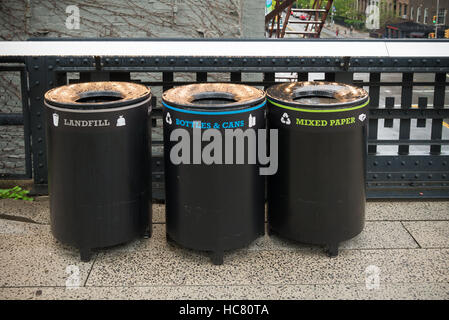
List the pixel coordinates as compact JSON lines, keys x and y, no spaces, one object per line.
{"x":211,"y":206}
{"x":99,"y":155}
{"x":317,"y":195}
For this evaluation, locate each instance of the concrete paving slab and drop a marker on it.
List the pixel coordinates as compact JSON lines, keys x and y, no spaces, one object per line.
{"x":381,"y":235}
{"x":429,"y":234}
{"x":30,"y":256}
{"x":376,"y":235}
{"x":21,"y":235}
{"x":407,"y":210}
{"x":158,"y":213}
{"x":343,"y":291}
{"x":41,"y":267}
{"x":37,"y":211}
{"x":34,"y":265}
{"x":242,"y":267}
{"x":352,"y":266}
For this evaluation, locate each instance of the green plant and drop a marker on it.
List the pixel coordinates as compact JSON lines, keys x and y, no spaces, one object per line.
{"x":304,"y":4}
{"x":387,"y":15}
{"x":16,"y":193}
{"x":357,"y":24}
{"x":346,"y":8}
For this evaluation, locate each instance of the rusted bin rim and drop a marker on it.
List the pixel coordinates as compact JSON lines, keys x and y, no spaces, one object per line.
{"x":316,"y":96}
{"x":97,"y":96}
{"x":213,"y":98}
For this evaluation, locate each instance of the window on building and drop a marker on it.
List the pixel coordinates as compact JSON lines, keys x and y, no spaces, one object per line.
{"x":426,"y":12}
{"x":418,"y":14}
{"x":405,"y":10}
{"x":442,"y":16}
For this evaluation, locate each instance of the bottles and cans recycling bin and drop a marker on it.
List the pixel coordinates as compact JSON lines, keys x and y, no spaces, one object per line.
{"x":317,"y":195}
{"x":99,"y":155}
{"x":211,"y":205}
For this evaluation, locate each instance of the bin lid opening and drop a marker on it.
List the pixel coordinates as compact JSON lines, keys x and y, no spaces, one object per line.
{"x":102,"y":95}
{"x":99,"y":96}
{"x":317,"y":94}
{"x":314,"y":97}
{"x":213,"y":98}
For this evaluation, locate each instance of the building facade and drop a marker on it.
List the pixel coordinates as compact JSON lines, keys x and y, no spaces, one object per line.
{"x":399,"y":8}
{"x":423,"y":11}
{"x":419,"y":11}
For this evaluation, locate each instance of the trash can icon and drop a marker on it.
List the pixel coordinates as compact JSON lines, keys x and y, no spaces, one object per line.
{"x":121,"y":121}
{"x":55,"y":119}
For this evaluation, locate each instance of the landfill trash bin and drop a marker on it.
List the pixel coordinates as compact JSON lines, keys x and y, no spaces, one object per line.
{"x":99,"y":153}
{"x":211,"y":206}
{"x":317,"y":195}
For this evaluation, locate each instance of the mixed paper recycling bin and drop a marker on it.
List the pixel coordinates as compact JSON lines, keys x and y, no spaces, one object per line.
{"x":317,"y":195}
{"x":212,"y":203}
{"x":99,"y":155}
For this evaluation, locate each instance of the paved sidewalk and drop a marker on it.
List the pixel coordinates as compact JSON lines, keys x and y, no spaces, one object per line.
{"x":407,"y":241}
{"x":329,"y":31}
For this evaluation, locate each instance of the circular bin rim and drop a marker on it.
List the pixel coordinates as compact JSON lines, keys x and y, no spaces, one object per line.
{"x":64,"y":98}
{"x":182,"y":98}
{"x":348,"y":97}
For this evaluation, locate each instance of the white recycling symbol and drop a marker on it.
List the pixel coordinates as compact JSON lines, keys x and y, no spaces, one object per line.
{"x":285,"y":119}
{"x":168,"y":118}
{"x":252,"y":121}
{"x":362,"y":117}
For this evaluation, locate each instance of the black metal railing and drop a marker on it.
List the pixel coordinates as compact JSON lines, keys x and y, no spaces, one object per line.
{"x":397,"y":104}
{"x":22,"y":119}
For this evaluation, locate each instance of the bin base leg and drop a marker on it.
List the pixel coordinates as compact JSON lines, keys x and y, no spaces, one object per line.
{"x":147,"y":233}
{"x":169,"y":239}
{"x":85,"y":254}
{"x":270,"y":231}
{"x":217,"y":257}
{"x":332,"y":250}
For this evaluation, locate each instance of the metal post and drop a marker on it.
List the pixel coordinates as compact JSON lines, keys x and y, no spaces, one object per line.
{"x":438,"y":18}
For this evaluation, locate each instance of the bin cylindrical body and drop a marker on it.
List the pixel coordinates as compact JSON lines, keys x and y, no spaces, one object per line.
{"x":317,"y":195}
{"x":99,"y":153}
{"x":212,"y":206}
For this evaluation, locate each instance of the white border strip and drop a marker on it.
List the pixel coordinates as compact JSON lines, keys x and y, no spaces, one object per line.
{"x":226,"y":48}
